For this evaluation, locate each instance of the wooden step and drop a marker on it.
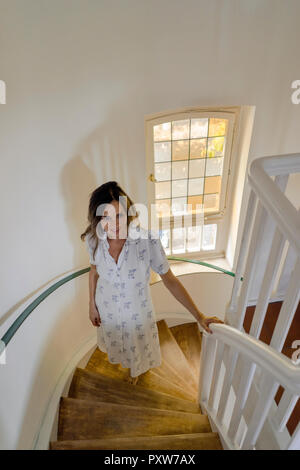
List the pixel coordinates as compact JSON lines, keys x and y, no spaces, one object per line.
{"x":197,"y":441}
{"x":99,"y":362}
{"x":87,"y":385}
{"x":166,"y":371}
{"x":189,"y":339}
{"x":152,"y":380}
{"x":84,"y":419}
{"x":173,"y":355}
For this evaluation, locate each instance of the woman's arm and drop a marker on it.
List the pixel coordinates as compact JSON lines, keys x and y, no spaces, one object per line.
{"x":93,"y":311}
{"x":181,"y":294}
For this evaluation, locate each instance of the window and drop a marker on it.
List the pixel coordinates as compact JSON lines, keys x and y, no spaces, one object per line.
{"x":188,"y":163}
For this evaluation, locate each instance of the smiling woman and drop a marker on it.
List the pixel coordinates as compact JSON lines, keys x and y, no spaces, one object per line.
{"x":121,"y":257}
{"x":120,"y":302}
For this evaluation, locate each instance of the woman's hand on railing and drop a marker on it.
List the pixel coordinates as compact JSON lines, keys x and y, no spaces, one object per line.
{"x":94,"y":315}
{"x":205,"y":321}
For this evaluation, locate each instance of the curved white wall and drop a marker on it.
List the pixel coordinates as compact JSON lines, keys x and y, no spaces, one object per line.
{"x":57,"y":336}
{"x":81,"y":76}
{"x":37,"y":356}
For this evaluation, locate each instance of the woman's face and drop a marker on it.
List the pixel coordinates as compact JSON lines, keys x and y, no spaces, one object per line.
{"x":114,"y":220}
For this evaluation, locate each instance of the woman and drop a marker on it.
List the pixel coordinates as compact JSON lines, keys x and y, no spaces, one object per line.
{"x":121,"y":255}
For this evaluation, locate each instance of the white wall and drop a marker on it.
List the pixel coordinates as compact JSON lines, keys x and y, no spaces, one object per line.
{"x":82,"y":74}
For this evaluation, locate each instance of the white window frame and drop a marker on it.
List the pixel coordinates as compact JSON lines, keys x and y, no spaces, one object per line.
{"x":222,"y":217}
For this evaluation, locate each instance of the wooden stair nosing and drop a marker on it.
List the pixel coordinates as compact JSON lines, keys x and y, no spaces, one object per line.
{"x":154,"y":381}
{"x":167,"y":371}
{"x":86,"y":419}
{"x":89,"y":385}
{"x":99,"y":364}
{"x":189,"y":339}
{"x":174,"y":355}
{"x":157,"y":382}
{"x":193,"y":441}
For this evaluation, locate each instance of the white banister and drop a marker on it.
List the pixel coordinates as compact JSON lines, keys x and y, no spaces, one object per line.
{"x":284,"y":410}
{"x":272,"y":198}
{"x":268,"y":390}
{"x":294,"y":443}
{"x":215,"y":374}
{"x":287,"y":310}
{"x":207,"y":355}
{"x":231,"y":311}
{"x":269,"y":266}
{"x":267,"y":284}
{"x":230,"y":359}
{"x":242,"y":395}
{"x":276,"y":369}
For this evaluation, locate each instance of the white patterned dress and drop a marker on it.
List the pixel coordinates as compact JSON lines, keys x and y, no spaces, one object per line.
{"x":128,"y":331}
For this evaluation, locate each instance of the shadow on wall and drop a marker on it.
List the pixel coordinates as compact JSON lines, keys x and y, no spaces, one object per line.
{"x":113,"y":151}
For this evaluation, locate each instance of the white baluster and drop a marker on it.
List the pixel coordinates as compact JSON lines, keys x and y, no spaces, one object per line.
{"x":294,"y":443}
{"x":206,"y":362}
{"x":267,"y":284}
{"x":267,"y":392}
{"x":287,"y":310}
{"x":285,"y":408}
{"x":242,"y":395}
{"x":241,"y":259}
{"x":230,"y":359}
{"x":253,"y":254}
{"x":216,"y":374}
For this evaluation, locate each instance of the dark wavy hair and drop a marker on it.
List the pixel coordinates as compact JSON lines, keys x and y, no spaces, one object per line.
{"x":104,"y":194}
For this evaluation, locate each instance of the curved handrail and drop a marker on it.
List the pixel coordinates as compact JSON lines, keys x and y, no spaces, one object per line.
{"x":278,"y":365}
{"x":277,"y":204}
{"x":22,"y":317}
{"x":203,"y":263}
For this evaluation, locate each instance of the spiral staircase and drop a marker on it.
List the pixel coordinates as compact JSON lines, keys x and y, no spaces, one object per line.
{"x":216,"y":391}
{"x":161,"y":411}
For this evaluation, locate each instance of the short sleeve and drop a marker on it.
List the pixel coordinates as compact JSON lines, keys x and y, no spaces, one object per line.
{"x":90,"y":246}
{"x":158,"y":259}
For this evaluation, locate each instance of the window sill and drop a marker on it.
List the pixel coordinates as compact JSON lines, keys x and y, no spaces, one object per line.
{"x":184,"y":267}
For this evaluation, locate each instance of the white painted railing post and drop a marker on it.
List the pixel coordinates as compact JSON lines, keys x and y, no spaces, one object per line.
{"x":295,"y":440}
{"x":271,"y":222}
{"x":268,"y":390}
{"x":206,"y":361}
{"x":231,"y":312}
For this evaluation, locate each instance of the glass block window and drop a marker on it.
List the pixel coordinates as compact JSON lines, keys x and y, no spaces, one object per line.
{"x":189,"y":239}
{"x":190,"y":169}
{"x":188,"y":164}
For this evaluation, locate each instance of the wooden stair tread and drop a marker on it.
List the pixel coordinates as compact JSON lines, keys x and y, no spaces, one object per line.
{"x":173,"y":355}
{"x":104,"y":411}
{"x":198,"y":441}
{"x":85,"y":419}
{"x":152,"y":380}
{"x":87,"y":385}
{"x":166,"y":371}
{"x":189,"y":339}
{"x":98,"y":362}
